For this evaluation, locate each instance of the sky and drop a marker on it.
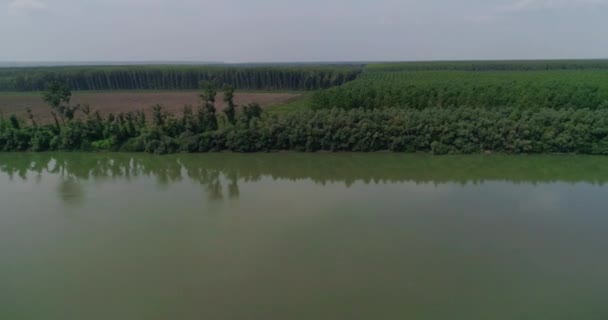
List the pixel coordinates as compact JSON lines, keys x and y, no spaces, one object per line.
{"x":298,"y":30}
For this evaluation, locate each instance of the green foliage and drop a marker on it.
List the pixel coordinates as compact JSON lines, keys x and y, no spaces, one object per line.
{"x":57,"y":93}
{"x":102,"y":145}
{"x":41,"y":140}
{"x":230,"y":110}
{"x":446,"y":112}
{"x":207,"y":120}
{"x":302,"y":102}
{"x":209,"y":89}
{"x":425,"y":89}
{"x":252,"y":110}
{"x":434,"y":130}
{"x":57,"y":96}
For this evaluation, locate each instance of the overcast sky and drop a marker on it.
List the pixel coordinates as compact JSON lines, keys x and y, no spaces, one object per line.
{"x":301,"y":30}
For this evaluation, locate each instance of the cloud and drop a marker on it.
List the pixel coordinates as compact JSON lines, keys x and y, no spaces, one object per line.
{"x":24,"y":6}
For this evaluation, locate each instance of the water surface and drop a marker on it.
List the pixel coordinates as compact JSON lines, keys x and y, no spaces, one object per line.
{"x":303,"y":236}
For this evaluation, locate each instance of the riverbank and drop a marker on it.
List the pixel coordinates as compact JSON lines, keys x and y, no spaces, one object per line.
{"x":431,"y":130}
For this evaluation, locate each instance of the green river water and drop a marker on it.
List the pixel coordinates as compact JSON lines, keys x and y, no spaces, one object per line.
{"x":303,"y":236}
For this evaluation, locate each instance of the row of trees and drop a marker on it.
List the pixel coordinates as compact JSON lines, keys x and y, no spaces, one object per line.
{"x":248,"y":129}
{"x":419,"y":90}
{"x":177,"y":77}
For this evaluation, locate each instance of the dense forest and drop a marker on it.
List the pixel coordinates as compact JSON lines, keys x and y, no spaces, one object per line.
{"x":423,"y":89}
{"x":287,"y":78}
{"x":247,"y":129}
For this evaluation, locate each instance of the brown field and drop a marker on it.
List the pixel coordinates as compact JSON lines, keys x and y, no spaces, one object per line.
{"x":116,"y":102}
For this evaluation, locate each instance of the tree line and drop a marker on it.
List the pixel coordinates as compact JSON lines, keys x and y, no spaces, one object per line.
{"x":290,"y":78}
{"x":437,"y":130}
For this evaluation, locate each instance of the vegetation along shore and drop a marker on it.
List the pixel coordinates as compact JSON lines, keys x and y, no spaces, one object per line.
{"x":439,"y":108}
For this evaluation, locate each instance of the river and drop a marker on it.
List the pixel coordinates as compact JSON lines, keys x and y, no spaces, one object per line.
{"x":303,"y":236}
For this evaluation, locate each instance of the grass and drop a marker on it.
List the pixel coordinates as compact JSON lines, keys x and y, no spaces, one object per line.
{"x":300,"y":103}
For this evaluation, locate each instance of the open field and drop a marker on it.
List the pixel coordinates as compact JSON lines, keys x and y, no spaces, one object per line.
{"x":116,"y":102}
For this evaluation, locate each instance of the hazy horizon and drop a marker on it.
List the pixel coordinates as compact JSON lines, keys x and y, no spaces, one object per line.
{"x":284,"y":31}
{"x":28,"y":64}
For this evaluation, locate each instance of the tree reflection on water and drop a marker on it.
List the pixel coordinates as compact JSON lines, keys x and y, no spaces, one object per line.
{"x":221,"y":173}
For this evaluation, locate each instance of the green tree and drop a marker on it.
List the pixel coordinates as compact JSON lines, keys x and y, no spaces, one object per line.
{"x":252,"y":110}
{"x":230,"y":110}
{"x":206,"y":113}
{"x":209,"y":89}
{"x":58,"y":96}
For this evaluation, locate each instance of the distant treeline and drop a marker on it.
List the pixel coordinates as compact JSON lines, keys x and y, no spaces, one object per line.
{"x":496,"y":65}
{"x":587,"y":89}
{"x":287,"y":78}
